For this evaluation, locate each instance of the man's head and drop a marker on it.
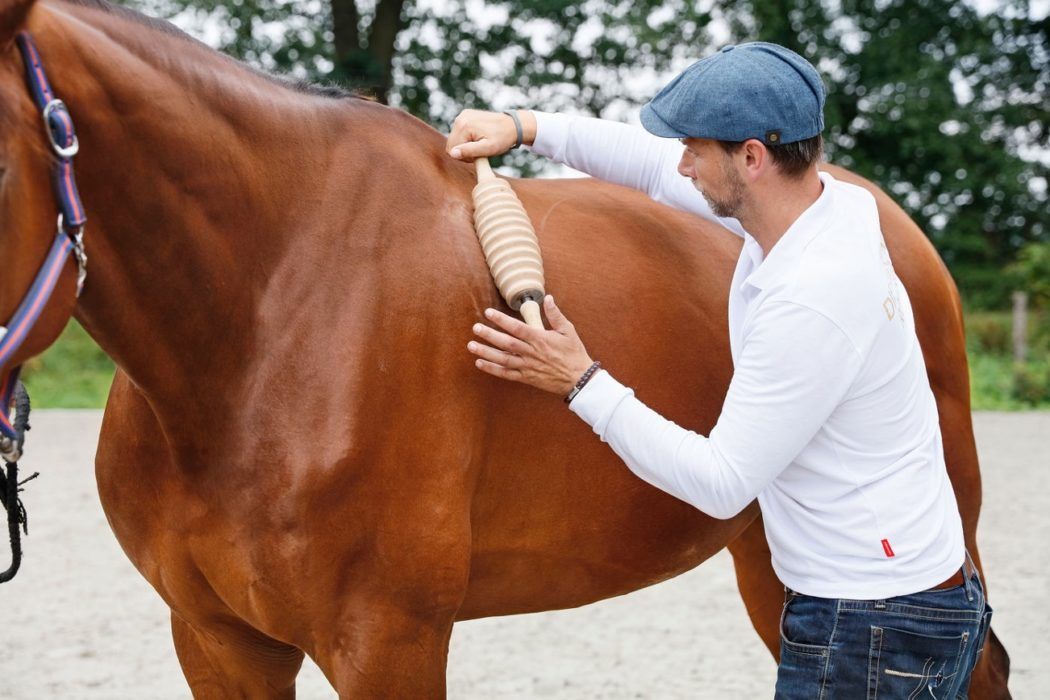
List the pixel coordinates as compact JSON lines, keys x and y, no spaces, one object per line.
{"x":742,"y":113}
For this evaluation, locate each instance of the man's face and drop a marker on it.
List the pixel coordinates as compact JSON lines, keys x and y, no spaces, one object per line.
{"x":711,"y":169}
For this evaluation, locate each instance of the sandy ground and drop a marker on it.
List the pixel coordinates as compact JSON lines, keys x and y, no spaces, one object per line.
{"x":79,"y":623}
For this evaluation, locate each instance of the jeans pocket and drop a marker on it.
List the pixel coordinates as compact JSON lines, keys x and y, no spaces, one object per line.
{"x":908,"y":664}
{"x":803,"y":668}
{"x":797,"y":620}
{"x":802,"y":672}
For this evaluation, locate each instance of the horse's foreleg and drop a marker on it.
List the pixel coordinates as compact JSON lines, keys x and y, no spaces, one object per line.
{"x":761,"y":590}
{"x":235,"y":662}
{"x":387,"y":634}
{"x":383,"y":650}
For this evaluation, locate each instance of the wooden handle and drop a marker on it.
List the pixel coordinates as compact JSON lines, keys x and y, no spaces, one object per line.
{"x":484,"y":169}
{"x":530,"y":311}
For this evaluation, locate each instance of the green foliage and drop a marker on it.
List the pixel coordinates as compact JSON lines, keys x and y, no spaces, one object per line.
{"x":991,"y":332}
{"x":288,"y":35}
{"x":997,"y":382}
{"x":988,"y":333}
{"x":1031,"y":383}
{"x":1031,"y":272}
{"x":73,"y":373}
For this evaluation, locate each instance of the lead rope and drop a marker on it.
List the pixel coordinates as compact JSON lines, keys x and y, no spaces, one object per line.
{"x":10,"y":486}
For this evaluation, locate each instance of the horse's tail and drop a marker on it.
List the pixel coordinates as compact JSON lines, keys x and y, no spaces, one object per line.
{"x":995,"y":665}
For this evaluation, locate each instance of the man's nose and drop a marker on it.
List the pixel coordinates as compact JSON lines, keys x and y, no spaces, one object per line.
{"x":685,"y":166}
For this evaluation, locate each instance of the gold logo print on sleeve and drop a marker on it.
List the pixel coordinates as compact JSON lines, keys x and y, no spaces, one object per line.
{"x":509,"y":242}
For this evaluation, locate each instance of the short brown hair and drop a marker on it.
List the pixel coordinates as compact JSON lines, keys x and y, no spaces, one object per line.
{"x":793,"y":159}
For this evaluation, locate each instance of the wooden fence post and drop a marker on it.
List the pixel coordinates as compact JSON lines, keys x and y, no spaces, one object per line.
{"x":1020,"y":326}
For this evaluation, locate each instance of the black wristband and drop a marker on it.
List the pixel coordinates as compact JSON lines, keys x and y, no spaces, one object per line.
{"x":583,"y":381}
{"x":517,"y":125}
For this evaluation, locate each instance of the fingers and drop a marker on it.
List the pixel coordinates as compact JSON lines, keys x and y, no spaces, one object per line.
{"x":498,"y":370}
{"x":502,"y":341}
{"x":497,"y":357}
{"x":550,"y":360}
{"x":471,"y":150}
{"x":516,"y":328}
{"x":555,"y":316}
{"x":477,"y":134}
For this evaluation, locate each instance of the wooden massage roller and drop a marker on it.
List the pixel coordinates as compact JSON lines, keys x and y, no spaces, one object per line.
{"x":509,"y":242}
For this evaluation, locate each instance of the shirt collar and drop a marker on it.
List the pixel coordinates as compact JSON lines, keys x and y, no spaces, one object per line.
{"x":786,"y":251}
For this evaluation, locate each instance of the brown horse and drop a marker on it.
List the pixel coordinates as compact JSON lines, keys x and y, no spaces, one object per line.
{"x":297,"y":452}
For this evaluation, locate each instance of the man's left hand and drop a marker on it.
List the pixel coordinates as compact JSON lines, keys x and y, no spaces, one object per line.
{"x":551,"y":360}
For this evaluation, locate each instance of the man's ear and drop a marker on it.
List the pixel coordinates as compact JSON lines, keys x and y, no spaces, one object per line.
{"x":757,"y":158}
{"x":12,"y":17}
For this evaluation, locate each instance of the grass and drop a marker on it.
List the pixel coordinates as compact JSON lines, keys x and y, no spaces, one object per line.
{"x":997,"y":383}
{"x":74,"y":373}
{"x":994,"y":384}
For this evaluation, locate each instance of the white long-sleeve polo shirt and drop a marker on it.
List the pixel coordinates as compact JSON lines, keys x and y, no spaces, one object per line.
{"x":829,"y":419}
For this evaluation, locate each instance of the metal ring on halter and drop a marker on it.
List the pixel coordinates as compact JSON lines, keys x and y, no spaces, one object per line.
{"x":78,"y":250}
{"x":9,"y":450}
{"x":62,"y":151}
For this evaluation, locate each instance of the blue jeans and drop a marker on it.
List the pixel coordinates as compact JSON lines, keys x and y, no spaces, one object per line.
{"x":922,"y":645}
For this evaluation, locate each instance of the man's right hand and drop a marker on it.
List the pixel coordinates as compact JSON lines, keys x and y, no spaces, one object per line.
{"x":477,"y":134}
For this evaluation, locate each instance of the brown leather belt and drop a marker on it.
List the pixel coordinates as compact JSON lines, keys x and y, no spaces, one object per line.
{"x":955,"y":580}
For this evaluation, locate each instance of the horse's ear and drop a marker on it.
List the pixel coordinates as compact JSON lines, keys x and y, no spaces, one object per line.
{"x":12,"y":17}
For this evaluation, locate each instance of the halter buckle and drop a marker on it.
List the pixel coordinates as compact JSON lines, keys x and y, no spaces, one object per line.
{"x":66,"y":152}
{"x":9,"y":450}
{"x":77,"y":237}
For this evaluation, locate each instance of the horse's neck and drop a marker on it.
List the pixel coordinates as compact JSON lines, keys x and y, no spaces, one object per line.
{"x":195,"y":173}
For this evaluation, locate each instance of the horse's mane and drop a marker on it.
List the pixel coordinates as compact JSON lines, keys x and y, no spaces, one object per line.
{"x":304,"y":87}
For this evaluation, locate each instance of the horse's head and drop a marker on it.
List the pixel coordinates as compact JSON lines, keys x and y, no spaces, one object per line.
{"x":33,"y":255}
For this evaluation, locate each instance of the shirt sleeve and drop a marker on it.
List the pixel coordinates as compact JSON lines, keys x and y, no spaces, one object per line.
{"x":623,"y":154}
{"x":795,"y":367}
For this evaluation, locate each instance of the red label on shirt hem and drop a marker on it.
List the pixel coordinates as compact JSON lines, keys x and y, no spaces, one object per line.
{"x":887,"y":548}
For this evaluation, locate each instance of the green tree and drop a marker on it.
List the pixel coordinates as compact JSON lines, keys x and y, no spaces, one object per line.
{"x":944,"y":106}
{"x":1031,"y":272}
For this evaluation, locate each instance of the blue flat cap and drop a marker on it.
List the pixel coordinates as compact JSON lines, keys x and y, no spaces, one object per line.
{"x":748,"y":91}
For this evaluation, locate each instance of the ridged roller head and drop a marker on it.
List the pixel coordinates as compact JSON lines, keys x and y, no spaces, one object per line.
{"x":509,"y":242}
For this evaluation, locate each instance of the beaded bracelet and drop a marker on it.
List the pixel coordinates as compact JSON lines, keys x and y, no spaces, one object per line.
{"x":583,"y":381}
{"x":517,"y":125}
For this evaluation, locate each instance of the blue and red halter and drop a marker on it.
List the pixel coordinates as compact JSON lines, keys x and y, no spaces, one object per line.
{"x":69,"y":238}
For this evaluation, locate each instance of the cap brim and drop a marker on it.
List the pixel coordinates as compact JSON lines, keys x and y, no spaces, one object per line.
{"x":655,"y":125}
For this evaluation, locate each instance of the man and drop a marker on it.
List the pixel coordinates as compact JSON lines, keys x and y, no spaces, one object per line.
{"x":829,"y":419}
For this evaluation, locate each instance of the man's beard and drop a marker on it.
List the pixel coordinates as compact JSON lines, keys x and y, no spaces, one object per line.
{"x":730,"y":205}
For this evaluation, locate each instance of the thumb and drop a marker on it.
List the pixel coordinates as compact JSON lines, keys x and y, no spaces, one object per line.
{"x":474,"y":149}
{"x":555,"y":316}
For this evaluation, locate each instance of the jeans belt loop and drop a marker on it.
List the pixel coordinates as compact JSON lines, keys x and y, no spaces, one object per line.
{"x":968,"y":570}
